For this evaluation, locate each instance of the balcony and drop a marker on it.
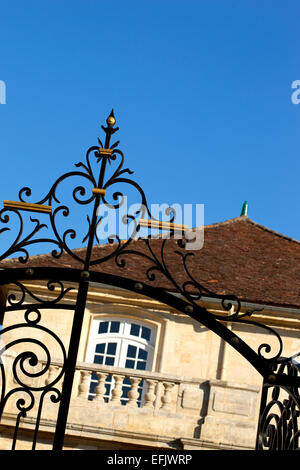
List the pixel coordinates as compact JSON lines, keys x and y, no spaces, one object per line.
{"x":173,"y":412}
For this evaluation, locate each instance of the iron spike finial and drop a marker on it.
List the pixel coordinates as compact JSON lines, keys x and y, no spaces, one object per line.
{"x":109,"y":130}
{"x":111,"y":120}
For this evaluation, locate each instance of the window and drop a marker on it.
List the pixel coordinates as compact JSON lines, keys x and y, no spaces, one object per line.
{"x":121,"y":343}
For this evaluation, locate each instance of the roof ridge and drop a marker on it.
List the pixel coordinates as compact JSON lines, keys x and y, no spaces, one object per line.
{"x":280,"y":235}
{"x":245,"y":218}
{"x":225,"y":222}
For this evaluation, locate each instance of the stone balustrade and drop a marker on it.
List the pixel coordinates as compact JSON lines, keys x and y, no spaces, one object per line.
{"x":158,"y":391}
{"x":141,"y":406}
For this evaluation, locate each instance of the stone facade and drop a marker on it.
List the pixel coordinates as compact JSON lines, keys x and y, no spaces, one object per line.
{"x":196,"y":392}
{"x":199,"y":394}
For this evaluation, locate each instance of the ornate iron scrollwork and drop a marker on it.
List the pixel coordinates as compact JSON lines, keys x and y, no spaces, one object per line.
{"x":97,"y":189}
{"x":21,"y":365}
{"x":279,"y":425}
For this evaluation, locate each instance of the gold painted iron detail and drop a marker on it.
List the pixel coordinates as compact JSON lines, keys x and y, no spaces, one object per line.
{"x":99,"y":191}
{"x":162,"y":225}
{"x":27,"y":206}
{"x":105,"y":152}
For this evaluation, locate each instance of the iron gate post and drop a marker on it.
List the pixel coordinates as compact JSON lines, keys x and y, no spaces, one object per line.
{"x":80,"y":304}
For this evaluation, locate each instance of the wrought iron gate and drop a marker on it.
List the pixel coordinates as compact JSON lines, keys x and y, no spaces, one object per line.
{"x":279,"y":416}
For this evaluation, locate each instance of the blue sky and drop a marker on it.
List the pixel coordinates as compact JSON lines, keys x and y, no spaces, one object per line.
{"x":201,"y":92}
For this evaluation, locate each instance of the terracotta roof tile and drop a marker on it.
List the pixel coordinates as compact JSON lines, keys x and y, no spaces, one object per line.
{"x":238,"y":257}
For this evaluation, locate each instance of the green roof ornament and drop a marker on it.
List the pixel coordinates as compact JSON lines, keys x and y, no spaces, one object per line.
{"x":245,"y":209}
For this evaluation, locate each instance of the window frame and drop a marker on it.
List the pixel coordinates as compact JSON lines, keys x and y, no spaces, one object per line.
{"x":123,"y":339}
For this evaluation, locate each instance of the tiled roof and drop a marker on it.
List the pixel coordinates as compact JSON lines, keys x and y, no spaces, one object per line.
{"x":238,"y":257}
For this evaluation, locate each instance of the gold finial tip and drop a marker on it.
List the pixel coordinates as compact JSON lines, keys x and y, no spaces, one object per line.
{"x":111,"y":119}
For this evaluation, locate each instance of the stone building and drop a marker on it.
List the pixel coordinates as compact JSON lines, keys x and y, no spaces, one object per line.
{"x":148,"y":376}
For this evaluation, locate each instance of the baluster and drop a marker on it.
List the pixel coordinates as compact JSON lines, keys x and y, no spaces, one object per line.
{"x":100,"y":388}
{"x":83,"y":387}
{"x":133,"y":393}
{"x":150,"y":395}
{"x":117,"y":390}
{"x":167,"y":398}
